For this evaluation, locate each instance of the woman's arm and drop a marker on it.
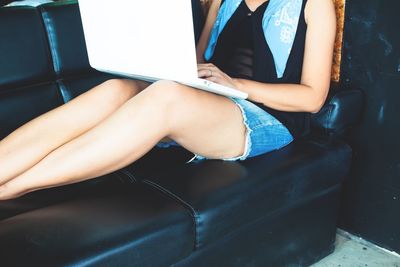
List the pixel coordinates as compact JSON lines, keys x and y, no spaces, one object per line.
{"x":310,"y":94}
{"x":205,"y":35}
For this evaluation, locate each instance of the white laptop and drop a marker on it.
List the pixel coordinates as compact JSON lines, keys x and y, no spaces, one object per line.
{"x":145,"y":39}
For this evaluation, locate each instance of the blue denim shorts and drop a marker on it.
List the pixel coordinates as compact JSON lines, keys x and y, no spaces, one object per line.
{"x":264,"y":133}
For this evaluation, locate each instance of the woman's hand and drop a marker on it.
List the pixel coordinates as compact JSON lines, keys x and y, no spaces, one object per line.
{"x":213,"y":74}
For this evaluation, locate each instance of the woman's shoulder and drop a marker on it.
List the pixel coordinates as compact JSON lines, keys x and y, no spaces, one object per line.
{"x":318,"y":8}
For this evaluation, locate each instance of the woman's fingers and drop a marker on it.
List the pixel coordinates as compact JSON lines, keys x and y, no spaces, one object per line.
{"x":207,"y":66}
{"x":208,"y":70}
{"x":220,"y":80}
{"x":215,"y":79}
{"x":214,"y":74}
{"x":204,"y":73}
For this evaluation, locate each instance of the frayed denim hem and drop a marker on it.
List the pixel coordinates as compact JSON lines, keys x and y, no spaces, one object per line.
{"x":248,"y":143}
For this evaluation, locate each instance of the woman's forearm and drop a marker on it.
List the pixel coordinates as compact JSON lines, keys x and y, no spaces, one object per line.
{"x":284,"y":97}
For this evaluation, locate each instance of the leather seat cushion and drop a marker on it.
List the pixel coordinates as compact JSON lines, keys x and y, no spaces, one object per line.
{"x":223,"y":196}
{"x":44,"y":198}
{"x":113,"y":224}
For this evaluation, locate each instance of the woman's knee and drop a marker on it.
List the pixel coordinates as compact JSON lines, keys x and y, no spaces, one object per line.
{"x":118,"y":90}
{"x":169,"y":93}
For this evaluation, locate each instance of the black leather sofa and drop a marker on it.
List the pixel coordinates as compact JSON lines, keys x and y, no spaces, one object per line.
{"x":279,"y":209}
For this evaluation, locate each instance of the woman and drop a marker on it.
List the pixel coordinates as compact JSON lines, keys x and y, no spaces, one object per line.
{"x":277,"y":51}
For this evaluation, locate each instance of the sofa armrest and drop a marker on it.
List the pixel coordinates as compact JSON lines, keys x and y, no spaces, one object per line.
{"x":342,"y":110}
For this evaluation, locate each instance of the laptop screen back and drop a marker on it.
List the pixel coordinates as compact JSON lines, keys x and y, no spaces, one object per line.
{"x":140,"y":37}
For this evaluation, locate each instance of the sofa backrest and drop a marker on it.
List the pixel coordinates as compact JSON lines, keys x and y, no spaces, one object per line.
{"x":27,"y":78}
{"x":43,"y":61}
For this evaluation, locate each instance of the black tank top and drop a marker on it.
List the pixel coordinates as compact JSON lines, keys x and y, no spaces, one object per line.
{"x":242,"y":52}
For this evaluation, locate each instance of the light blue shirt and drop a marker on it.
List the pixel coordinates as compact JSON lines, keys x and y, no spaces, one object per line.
{"x":279,"y":23}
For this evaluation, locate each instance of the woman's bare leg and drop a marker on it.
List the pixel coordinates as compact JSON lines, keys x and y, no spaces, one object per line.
{"x":31,"y":142}
{"x":204,"y":123}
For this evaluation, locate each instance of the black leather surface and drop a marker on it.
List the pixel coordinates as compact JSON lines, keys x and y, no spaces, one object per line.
{"x":159,"y":160}
{"x":18,"y":106}
{"x":24,"y":52}
{"x":63,"y":24}
{"x":44,"y":198}
{"x":292,"y":237}
{"x":224,"y":196}
{"x":113,"y":225}
{"x":341,"y":111}
{"x":4,"y":2}
{"x":73,"y":86}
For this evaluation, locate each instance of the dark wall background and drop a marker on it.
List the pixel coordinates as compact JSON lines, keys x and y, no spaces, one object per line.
{"x":4,"y":2}
{"x":371,"y":62}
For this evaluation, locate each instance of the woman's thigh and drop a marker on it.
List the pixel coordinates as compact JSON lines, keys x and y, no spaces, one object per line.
{"x":218,"y":127}
{"x":205,"y":123}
